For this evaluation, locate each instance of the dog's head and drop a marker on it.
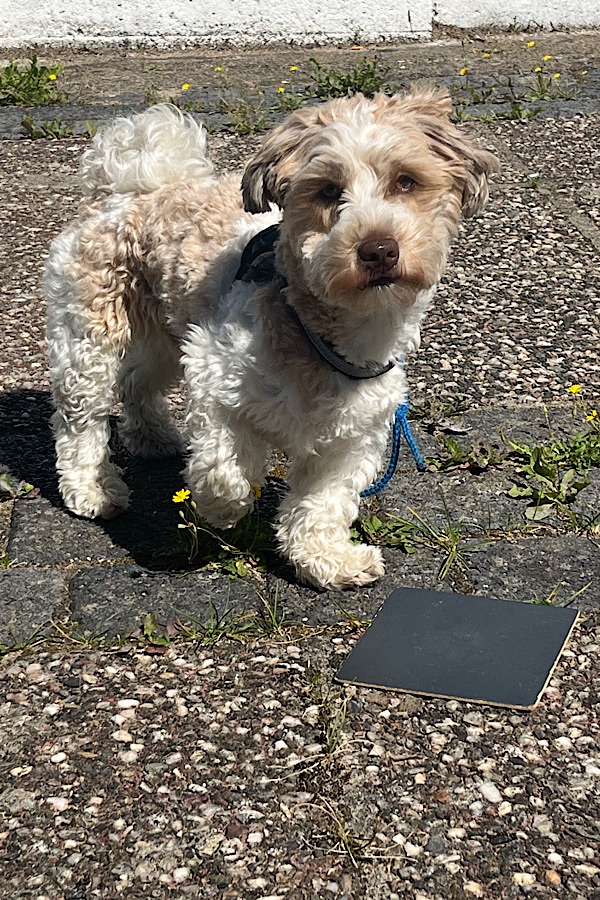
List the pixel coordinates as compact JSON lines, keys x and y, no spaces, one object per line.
{"x":372,"y":191}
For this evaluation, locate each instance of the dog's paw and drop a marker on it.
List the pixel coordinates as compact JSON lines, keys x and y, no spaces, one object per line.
{"x":348,"y":565}
{"x":97,"y":501}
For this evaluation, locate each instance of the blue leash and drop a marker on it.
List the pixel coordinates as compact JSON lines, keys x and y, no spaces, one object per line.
{"x":400,"y":429}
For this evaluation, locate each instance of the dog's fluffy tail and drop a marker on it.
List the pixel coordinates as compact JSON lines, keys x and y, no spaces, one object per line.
{"x":140,"y":154}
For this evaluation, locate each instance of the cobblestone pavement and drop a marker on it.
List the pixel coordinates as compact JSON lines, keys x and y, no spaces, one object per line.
{"x":160,"y":736}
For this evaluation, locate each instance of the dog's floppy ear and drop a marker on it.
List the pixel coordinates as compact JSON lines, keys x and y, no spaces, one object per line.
{"x":267,"y":174}
{"x":470,"y":165}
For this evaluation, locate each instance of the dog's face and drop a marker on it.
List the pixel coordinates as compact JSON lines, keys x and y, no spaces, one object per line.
{"x":372,"y":191}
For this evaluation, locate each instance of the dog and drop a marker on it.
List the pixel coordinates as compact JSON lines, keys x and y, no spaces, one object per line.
{"x":364,"y":196}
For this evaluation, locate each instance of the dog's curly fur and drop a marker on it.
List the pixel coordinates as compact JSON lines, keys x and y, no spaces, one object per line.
{"x":369,"y":193}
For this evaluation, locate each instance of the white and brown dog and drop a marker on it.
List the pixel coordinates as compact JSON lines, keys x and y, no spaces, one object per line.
{"x":369,"y":193}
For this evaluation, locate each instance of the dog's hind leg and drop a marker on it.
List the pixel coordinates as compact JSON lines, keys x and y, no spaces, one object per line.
{"x":84,"y":377}
{"x":149,"y":369}
{"x":85,"y":343}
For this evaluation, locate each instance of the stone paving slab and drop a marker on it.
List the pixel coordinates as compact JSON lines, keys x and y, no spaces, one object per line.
{"x":110,"y":575}
{"x":29,"y":598}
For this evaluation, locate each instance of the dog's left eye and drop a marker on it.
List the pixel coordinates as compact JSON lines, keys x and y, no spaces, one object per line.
{"x":330,"y":192}
{"x":405,"y":183}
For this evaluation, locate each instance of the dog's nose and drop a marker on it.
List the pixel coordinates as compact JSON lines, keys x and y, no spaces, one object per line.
{"x":382,"y":254}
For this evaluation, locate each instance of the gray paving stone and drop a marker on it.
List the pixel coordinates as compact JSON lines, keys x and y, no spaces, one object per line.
{"x":28,"y":599}
{"x":44,"y":534}
{"x":114,"y":600}
{"x":538,"y":569}
{"x":478,"y":503}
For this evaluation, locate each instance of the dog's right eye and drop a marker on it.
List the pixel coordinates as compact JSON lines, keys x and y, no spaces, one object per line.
{"x":330,"y":193}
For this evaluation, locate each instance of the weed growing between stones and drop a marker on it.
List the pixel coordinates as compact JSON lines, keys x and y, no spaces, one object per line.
{"x":54,"y":129}
{"x":244,"y":105}
{"x":245,"y":548}
{"x":408,"y":534}
{"x":367,"y":77}
{"x":34,"y":85}
{"x":543,"y":84}
{"x":554,"y":598}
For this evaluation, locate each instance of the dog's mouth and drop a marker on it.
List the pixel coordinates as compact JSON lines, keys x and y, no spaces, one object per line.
{"x":381,"y":281}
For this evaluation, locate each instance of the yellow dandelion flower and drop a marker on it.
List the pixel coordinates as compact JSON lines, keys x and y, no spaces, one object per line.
{"x":531,"y":43}
{"x":218,"y":68}
{"x":52,"y":76}
{"x":185,"y":87}
{"x":257,"y":491}
{"x":281,"y":90}
{"x":485,"y":55}
{"x":574,"y":389}
{"x":181,"y":495}
{"x":538,"y":69}
{"x":464,"y":70}
{"x":584,"y":72}
{"x":556,"y":75}
{"x":546,"y":57}
{"x":293,"y":68}
{"x":593,"y":415}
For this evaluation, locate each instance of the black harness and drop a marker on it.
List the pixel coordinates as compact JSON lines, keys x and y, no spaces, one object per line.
{"x":257,"y":265}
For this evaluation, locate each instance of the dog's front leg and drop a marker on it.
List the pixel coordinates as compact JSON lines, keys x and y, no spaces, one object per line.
{"x":226,"y":461}
{"x":315,"y":518}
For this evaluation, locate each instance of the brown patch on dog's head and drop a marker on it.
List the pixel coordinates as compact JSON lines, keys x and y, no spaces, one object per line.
{"x":470,"y":165}
{"x":267,"y":176}
{"x":268,"y":173}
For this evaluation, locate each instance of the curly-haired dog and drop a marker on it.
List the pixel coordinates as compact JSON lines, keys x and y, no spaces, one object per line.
{"x":369,"y":193}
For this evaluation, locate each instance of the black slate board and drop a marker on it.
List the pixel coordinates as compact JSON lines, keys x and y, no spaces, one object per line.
{"x":460,"y":646}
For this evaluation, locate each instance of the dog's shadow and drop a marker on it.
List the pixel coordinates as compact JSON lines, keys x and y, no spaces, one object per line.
{"x":148,"y":532}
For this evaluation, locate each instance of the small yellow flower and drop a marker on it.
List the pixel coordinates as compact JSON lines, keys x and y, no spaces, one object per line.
{"x":181,"y":495}
{"x":556,"y":75}
{"x":52,"y":76}
{"x":546,"y":57}
{"x":584,"y":72}
{"x":531,"y":43}
{"x":464,"y":70}
{"x":485,"y":55}
{"x":538,"y":69}
{"x":218,"y":68}
{"x":185,"y":87}
{"x":593,"y":415}
{"x":281,"y":90}
{"x":574,"y":389}
{"x":293,"y":68}
{"x":257,"y":491}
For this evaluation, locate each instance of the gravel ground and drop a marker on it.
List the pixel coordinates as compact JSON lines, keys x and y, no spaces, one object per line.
{"x":241,"y":770}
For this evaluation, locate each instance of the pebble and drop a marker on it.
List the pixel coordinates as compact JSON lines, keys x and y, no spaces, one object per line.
{"x":58,"y":757}
{"x":181,"y":874}
{"x":58,"y":804}
{"x":523,"y":878}
{"x":490,"y":792}
{"x":122,"y":736}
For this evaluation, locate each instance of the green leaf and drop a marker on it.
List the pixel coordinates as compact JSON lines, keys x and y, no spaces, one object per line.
{"x":537,"y":513}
